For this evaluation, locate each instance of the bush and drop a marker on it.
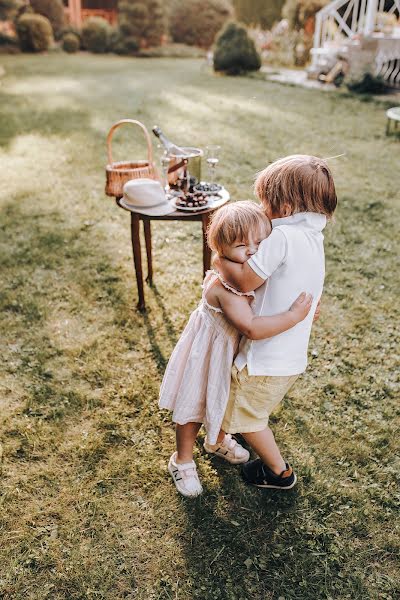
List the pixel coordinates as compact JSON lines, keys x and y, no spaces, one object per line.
{"x":196,"y":22}
{"x":121,"y":44}
{"x":368,"y":84}
{"x":235,"y":51}
{"x":8,"y":44}
{"x":8,"y":9}
{"x":96,"y":33}
{"x":75,"y":31}
{"x":71,"y":43}
{"x":54,"y":11}
{"x":142,"y":21}
{"x":34,"y":32}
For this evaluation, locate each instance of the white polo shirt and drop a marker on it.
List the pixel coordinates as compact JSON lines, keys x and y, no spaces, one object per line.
{"x":292,"y":261}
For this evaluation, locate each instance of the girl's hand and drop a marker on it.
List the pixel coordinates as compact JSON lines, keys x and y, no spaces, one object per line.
{"x":301,"y":307}
{"x":317,"y":311}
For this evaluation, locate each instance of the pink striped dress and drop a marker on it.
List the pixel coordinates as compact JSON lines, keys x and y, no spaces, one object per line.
{"x":197,"y":378}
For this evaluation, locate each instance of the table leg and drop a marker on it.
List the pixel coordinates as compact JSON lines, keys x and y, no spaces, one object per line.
{"x":137,"y":258}
{"x":147,"y":237}
{"x":206,"y":250}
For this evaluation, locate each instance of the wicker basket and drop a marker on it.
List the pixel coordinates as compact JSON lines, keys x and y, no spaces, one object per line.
{"x":118,"y":173}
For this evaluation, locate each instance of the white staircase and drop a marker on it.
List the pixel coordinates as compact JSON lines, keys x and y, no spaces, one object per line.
{"x":349,"y":28}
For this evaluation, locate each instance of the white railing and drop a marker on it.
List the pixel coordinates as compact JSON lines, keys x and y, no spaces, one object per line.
{"x":343,"y":20}
{"x":387,"y":63}
{"x":355,"y":17}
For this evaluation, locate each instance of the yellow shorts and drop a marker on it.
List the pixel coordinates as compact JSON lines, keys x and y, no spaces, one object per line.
{"x":252,"y":399}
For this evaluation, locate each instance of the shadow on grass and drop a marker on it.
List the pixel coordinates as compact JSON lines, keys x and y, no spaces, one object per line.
{"x":19,"y":118}
{"x":263,"y":534}
{"x":158,"y":356}
{"x":241,"y":526}
{"x":169,"y":326}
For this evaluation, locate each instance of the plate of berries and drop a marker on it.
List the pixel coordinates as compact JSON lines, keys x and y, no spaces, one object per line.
{"x":191,"y":202}
{"x":210,"y":189}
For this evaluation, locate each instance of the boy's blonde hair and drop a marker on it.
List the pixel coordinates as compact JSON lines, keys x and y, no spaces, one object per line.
{"x":233,"y":222}
{"x":302,"y":182}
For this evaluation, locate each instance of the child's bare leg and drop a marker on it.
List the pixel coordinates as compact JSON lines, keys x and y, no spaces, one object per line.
{"x":185,"y":438}
{"x":221,"y":436}
{"x":263,"y":442}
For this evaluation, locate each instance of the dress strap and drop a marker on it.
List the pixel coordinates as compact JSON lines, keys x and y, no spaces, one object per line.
{"x":209,"y":279}
{"x":230,"y":288}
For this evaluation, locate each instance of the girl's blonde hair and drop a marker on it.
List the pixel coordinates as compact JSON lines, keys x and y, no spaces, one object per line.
{"x":233,"y":222}
{"x":302,"y":182}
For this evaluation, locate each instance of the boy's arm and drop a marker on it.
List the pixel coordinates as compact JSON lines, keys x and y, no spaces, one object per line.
{"x":237,"y":310}
{"x":250,"y":275}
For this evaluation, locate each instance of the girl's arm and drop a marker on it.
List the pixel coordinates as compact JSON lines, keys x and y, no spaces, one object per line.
{"x":238,"y":312}
{"x":239,"y":275}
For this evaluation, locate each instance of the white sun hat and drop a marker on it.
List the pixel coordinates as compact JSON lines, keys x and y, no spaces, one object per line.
{"x":146,"y":196}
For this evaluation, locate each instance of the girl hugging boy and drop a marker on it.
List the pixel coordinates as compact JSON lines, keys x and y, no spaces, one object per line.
{"x":257,"y":294}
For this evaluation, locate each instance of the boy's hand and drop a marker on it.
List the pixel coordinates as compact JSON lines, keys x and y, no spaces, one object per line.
{"x":301,"y":307}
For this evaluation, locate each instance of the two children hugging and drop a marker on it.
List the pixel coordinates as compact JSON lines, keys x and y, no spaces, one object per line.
{"x":246,"y":343}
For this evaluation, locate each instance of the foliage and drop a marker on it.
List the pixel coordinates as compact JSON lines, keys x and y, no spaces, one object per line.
{"x":142,"y":21}
{"x":196,"y":22}
{"x":282,"y":48}
{"x":9,"y":44}
{"x":235,"y":51}
{"x":119,"y":44}
{"x":54,"y":11}
{"x":9,"y":8}
{"x":71,"y":43}
{"x":258,"y":12}
{"x":6,"y":39}
{"x":95,"y":35}
{"x":172,"y":51}
{"x":34,"y":32}
{"x":72,"y":29}
{"x":298,"y":12}
{"x":368,"y":84}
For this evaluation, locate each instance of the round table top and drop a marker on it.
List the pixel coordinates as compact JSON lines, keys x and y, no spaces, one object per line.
{"x":217,"y":201}
{"x":393,"y":113}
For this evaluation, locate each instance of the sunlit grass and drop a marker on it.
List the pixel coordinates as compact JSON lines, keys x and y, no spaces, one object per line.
{"x":87,"y":507}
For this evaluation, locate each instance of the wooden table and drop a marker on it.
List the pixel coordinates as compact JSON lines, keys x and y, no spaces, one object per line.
{"x":392,"y":114}
{"x":203,"y":217}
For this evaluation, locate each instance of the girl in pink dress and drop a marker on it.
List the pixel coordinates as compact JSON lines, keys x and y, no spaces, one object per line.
{"x":197,"y":379}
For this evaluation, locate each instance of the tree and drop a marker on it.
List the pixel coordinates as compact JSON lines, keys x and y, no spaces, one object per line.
{"x":9,"y":8}
{"x":259,"y":12}
{"x":196,"y":22}
{"x":143,"y":21}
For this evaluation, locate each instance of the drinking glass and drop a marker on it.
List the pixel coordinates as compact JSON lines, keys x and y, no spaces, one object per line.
{"x":165,"y":161}
{"x":212,"y":157}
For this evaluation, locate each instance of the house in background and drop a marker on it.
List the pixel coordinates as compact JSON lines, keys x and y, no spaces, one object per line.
{"x":366,"y":33}
{"x":77,"y":11}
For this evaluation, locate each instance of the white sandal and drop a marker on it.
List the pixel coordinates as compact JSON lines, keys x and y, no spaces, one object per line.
{"x":185,"y":477}
{"x":229,"y":450}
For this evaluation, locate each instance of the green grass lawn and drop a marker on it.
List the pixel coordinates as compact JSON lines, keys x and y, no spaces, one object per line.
{"x":87,"y":506}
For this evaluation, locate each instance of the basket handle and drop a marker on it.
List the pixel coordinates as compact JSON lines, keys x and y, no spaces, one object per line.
{"x":123,"y":122}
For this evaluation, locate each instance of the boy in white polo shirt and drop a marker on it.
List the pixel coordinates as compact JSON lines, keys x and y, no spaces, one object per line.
{"x":298,"y":195}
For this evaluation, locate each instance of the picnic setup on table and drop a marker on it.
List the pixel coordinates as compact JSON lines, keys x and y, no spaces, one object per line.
{"x":178,"y":193}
